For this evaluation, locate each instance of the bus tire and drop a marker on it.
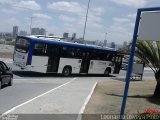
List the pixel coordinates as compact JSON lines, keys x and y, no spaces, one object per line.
{"x":0,"y":84}
{"x":107,"y":72}
{"x":67,"y":71}
{"x":10,"y":82}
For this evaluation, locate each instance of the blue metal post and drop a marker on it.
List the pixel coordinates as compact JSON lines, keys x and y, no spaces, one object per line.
{"x":130,"y":64}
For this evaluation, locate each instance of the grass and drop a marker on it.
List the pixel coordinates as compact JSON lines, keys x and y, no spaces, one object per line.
{"x":107,"y":98}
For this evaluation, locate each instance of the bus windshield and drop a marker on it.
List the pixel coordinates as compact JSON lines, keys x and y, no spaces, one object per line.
{"x":22,"y":45}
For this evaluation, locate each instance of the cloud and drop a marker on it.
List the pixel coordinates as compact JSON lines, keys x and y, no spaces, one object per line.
{"x":131,"y":3}
{"x":12,"y":22}
{"x":132,"y":15}
{"x":120,"y":20}
{"x":7,"y":1}
{"x":66,"y":18}
{"x":42,"y":16}
{"x":119,"y":33}
{"x":78,"y":14}
{"x":121,"y":29}
{"x":28,"y":5}
{"x":41,"y":23}
{"x":73,"y":7}
{"x":98,"y":11}
{"x":8,"y":11}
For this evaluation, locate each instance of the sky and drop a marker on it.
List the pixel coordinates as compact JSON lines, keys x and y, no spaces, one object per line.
{"x":110,"y":19}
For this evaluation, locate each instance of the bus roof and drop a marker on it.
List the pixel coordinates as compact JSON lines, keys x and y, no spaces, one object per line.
{"x":61,"y":42}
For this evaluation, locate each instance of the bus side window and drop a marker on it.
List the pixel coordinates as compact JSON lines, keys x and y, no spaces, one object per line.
{"x":70,"y":52}
{"x":100,"y":56}
{"x":97,"y":56}
{"x":52,"y":50}
{"x":113,"y":58}
{"x":109,"y":57}
{"x":93,"y":55}
{"x":39,"y":49}
{"x":64,"y":52}
{"x":77,"y":53}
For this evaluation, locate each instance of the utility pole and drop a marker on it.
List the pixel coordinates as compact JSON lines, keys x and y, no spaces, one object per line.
{"x":31,"y":26}
{"x":86,"y":20}
{"x":105,"y":36}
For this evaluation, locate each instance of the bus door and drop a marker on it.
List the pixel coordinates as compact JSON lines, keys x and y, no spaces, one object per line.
{"x":117,"y":63}
{"x":54,"y":57}
{"x":85,"y":62}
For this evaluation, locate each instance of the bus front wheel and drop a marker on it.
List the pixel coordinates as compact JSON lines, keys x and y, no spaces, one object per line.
{"x":66,"y":71}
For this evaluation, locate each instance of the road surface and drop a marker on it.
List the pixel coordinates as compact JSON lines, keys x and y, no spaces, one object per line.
{"x":35,"y":93}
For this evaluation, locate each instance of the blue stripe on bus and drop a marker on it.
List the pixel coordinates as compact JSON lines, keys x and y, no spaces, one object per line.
{"x":30,"y":53}
{"x":63,"y":43}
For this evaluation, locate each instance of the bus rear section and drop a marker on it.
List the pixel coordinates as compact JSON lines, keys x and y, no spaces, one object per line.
{"x":20,"y":57}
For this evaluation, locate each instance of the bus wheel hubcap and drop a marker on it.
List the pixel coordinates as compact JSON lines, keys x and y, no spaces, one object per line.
{"x":106,"y":72}
{"x":0,"y":84}
{"x":66,"y":71}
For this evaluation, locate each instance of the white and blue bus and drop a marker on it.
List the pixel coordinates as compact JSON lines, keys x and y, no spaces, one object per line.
{"x":46,"y":55}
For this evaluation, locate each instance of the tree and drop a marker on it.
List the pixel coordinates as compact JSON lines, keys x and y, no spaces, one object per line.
{"x":149,"y":53}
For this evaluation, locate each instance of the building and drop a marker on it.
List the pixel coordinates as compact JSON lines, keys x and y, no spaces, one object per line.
{"x":15,"y":31}
{"x":105,"y":43}
{"x":113,"y":45}
{"x":23,"y":33}
{"x":38,"y":31}
{"x":74,"y":36}
{"x":89,"y":42}
{"x":65,"y":35}
{"x":124,"y":44}
{"x":51,"y":34}
{"x":42,"y":31}
{"x":35,"y":31}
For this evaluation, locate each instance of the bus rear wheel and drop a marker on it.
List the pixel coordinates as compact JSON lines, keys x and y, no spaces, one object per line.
{"x":11,"y":81}
{"x":0,"y":84}
{"x":66,"y":71}
{"x":106,"y":73}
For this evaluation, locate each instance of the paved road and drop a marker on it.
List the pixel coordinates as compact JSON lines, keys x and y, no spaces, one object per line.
{"x":58,"y":95}
{"x":147,"y":75}
{"x":25,"y":89}
{"x":69,"y":94}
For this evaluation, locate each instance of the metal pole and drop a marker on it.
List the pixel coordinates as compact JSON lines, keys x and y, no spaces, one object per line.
{"x":31,"y":26}
{"x":46,"y":33}
{"x":86,"y":20}
{"x":105,"y":36}
{"x":130,"y":64}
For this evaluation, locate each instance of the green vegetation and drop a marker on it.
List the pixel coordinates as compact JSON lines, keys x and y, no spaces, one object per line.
{"x":149,"y":53}
{"x":11,"y":43}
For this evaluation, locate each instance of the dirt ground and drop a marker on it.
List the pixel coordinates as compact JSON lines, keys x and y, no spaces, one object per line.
{"x":6,"y":51}
{"x":6,"y":55}
{"x":107,"y":98}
